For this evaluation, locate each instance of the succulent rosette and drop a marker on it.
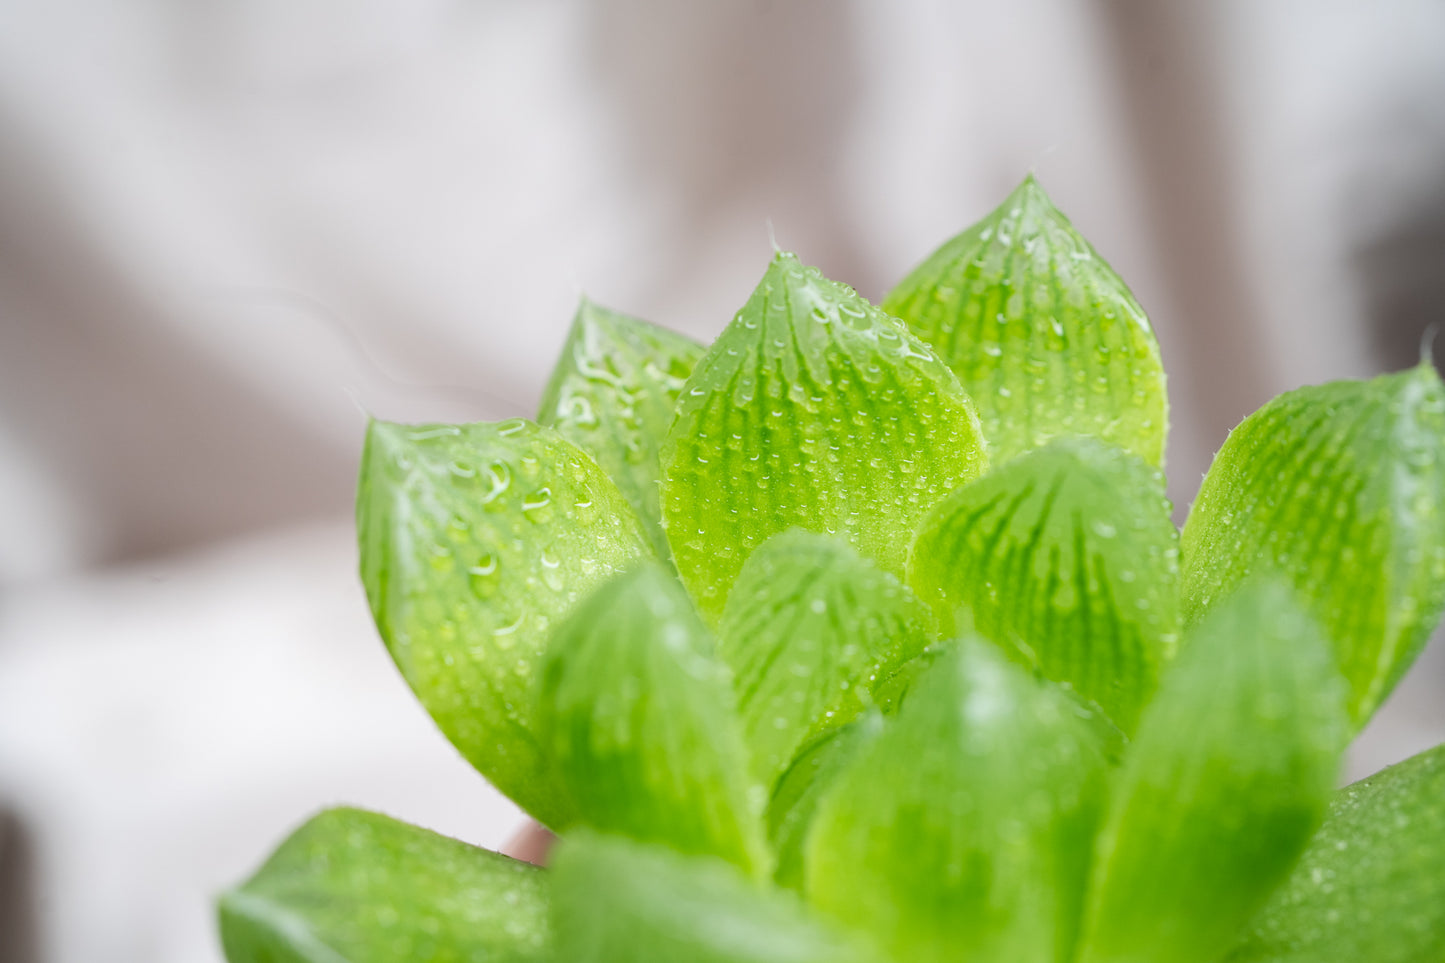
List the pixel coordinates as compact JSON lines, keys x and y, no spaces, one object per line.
{"x":865,"y":634}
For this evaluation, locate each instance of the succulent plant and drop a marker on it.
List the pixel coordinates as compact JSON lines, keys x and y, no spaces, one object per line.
{"x":865,"y":634}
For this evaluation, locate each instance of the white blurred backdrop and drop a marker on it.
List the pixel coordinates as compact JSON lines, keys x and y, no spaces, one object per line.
{"x":227,"y":229}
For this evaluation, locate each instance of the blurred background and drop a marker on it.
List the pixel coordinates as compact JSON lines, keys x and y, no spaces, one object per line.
{"x":227,"y":229}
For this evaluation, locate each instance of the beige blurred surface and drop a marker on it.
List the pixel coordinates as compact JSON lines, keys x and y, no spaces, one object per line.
{"x":228,"y":229}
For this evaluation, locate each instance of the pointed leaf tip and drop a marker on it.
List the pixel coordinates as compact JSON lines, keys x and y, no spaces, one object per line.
{"x":810,"y":629}
{"x":613,"y":394}
{"x":361,"y":887}
{"x":1223,"y":785}
{"x":813,"y":409}
{"x":1040,"y":330}
{"x":473,"y":540}
{"x":1067,"y":555}
{"x":964,"y":830}
{"x":638,"y":715}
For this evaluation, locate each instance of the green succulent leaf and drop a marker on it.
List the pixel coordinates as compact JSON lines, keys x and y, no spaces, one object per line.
{"x":1228,"y":776}
{"x":1341,"y":489}
{"x":964,"y":830}
{"x":1066,"y":554}
{"x":810,"y":628}
{"x":613,"y":394}
{"x":804,"y":785}
{"x":814,"y":410}
{"x":357,"y":887}
{"x":622,"y":902}
{"x":1042,"y":333}
{"x":638,"y":713}
{"x":474,"y":540}
{"x":1371,"y":885}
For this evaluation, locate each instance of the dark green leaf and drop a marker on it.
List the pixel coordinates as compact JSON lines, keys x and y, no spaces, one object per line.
{"x":474,"y":540}
{"x":964,"y":830}
{"x":356,"y":887}
{"x":613,"y":394}
{"x":1341,"y":489}
{"x":809,"y":629}
{"x":638,"y":714}
{"x":1042,"y":333}
{"x":813,"y":410}
{"x":622,"y":902}
{"x":1067,"y":554}
{"x":1371,"y":886}
{"x":1222,"y":786}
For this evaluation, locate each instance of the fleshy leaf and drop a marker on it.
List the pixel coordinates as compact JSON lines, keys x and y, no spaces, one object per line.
{"x":1371,"y":885}
{"x":1041,"y":331}
{"x":613,"y":394}
{"x":800,"y":790}
{"x":1228,"y":776}
{"x":809,"y":629}
{"x":964,"y":830}
{"x":474,"y":540}
{"x":638,"y":714}
{"x":622,"y":902}
{"x":813,"y":410}
{"x":357,"y":887}
{"x":1341,"y":489}
{"x":1066,"y":553}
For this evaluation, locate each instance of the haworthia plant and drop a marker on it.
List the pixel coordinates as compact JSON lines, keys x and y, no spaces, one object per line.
{"x":814,"y":410}
{"x":1341,"y":488}
{"x":864,"y":636}
{"x":1068,"y":554}
{"x":613,"y":394}
{"x":360,"y":887}
{"x":1042,"y":333}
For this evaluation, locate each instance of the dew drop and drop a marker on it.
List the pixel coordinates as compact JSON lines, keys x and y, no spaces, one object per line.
{"x":498,"y":479}
{"x":537,"y":504}
{"x":483,"y":577}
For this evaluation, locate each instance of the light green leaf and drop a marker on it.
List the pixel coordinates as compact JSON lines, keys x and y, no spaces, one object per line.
{"x":639,"y":716}
{"x":1340,"y":488}
{"x":813,"y":410}
{"x":357,"y":887}
{"x":964,"y":830}
{"x":809,"y":629}
{"x":474,"y":540}
{"x":1371,"y":886}
{"x":1222,"y":786}
{"x":1042,"y":333}
{"x":1067,"y":554}
{"x":613,"y":394}
{"x":622,"y":902}
{"x":800,"y":790}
